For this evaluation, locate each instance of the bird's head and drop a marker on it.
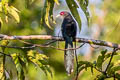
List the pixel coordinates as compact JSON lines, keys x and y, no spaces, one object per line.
{"x":63,"y":14}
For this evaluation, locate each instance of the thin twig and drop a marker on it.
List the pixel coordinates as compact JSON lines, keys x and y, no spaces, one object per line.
{"x":4,"y":54}
{"x":50,"y":42}
{"x":93,"y":46}
{"x":114,"y":50}
{"x":37,"y":45}
{"x":114,"y":76}
{"x":4,"y":57}
{"x":99,"y":70}
{"x":76,"y":63}
{"x":48,"y":46}
{"x":76,"y":78}
{"x":30,"y":47}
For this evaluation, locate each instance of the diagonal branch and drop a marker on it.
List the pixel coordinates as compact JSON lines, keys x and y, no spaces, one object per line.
{"x":114,"y":50}
{"x":49,"y":37}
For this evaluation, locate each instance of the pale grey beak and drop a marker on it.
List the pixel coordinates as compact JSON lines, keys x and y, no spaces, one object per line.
{"x":58,"y":16}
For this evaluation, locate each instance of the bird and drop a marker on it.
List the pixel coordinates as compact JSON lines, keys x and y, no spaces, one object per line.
{"x":69,"y":31}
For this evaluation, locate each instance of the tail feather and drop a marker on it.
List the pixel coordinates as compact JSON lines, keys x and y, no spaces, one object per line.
{"x":69,"y":58}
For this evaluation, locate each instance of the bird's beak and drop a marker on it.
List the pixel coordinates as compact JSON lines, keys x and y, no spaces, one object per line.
{"x":58,"y":16}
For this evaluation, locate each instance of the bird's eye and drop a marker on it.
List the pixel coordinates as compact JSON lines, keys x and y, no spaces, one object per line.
{"x":62,"y":13}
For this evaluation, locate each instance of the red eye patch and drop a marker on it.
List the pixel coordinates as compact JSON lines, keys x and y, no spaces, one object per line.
{"x":62,"y":13}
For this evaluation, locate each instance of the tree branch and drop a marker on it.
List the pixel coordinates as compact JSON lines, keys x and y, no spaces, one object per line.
{"x":49,"y":37}
{"x":38,"y":45}
{"x":114,"y":50}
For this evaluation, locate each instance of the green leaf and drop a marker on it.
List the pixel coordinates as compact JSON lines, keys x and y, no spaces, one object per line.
{"x":101,"y":77}
{"x":11,"y":75}
{"x":6,"y":10}
{"x":114,"y":69}
{"x":47,"y":68}
{"x":92,"y":69}
{"x":6,"y":19}
{"x":4,"y":1}
{"x":14,"y":12}
{"x":57,"y":2}
{"x":94,"y":63}
{"x":104,"y":52}
{"x":109,"y":55}
{"x":84,"y":5}
{"x":109,"y":71}
{"x":47,"y":12}
{"x":14,"y":8}
{"x":23,"y":58}
{"x":1,"y":22}
{"x":84,"y":65}
{"x":117,"y":76}
{"x":19,"y":67}
{"x":1,"y":68}
{"x":0,"y":7}
{"x":4,"y":43}
{"x":5,"y":6}
{"x":40,"y":60}
{"x":49,"y":7}
{"x":100,"y":60}
{"x":73,"y":8}
{"x":43,"y":12}
{"x":81,"y":68}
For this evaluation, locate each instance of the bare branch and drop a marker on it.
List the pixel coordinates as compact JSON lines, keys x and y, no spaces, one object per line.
{"x":39,"y":45}
{"x":49,"y":37}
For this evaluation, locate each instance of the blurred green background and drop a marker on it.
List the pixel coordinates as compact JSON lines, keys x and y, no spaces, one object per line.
{"x":104,"y":24}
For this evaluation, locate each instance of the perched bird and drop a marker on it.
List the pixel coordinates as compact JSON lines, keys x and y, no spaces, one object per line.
{"x":69,"y":29}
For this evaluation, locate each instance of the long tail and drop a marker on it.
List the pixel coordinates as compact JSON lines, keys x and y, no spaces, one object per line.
{"x":69,"y":57}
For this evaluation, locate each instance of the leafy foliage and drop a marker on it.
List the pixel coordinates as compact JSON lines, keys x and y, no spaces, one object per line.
{"x":49,"y":5}
{"x":6,"y":11}
{"x":39,"y":60}
{"x":2,"y":57}
{"x":84,"y":6}
{"x":84,"y":65}
{"x":112,"y":70}
{"x":73,"y":8}
{"x":100,"y":59}
{"x":1,"y":67}
{"x":48,"y":12}
{"x":19,"y":66}
{"x":22,"y":61}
